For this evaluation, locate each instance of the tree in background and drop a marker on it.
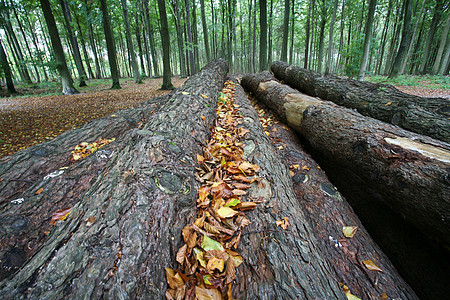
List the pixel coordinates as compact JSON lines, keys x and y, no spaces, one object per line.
{"x":134,"y":65}
{"x":6,"y":70}
{"x":263,"y":39}
{"x":110,"y":46}
{"x":165,"y":39}
{"x":61,"y":64}
{"x":367,"y":39}
{"x":406,"y":32}
{"x":284,"y":44}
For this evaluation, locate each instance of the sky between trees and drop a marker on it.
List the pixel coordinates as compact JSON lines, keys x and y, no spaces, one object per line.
{"x":140,"y":38}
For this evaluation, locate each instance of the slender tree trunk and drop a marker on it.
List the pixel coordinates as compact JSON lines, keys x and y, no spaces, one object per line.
{"x":147,"y":49}
{"x":180,"y":41}
{"x":322,"y":36}
{"x":38,"y":78}
{"x":284,"y":43}
{"x":110,"y":47}
{"x":38,"y":53}
{"x":213,"y":16}
{"x":98,"y":73}
{"x":445,"y":61}
{"x":73,"y":42}
{"x":165,"y":39}
{"x":330,"y":39}
{"x":195,"y":37}
{"x":313,"y":4}
{"x":395,"y":71}
{"x":254,"y":37}
{"x":291,"y":49}
{"x":205,"y":30}
{"x":431,"y":32}
{"x":83,"y":46}
{"x":250,"y":52}
{"x":384,"y":37}
{"x":393,"y":45}
{"x":150,"y":38}
{"x":308,"y":28}
{"x":341,"y":37}
{"x":189,"y":36}
{"x":263,"y":37}
{"x":269,"y":57}
{"x":134,"y":64}
{"x":367,"y":39}
{"x":411,"y":41}
{"x":61,"y":65}
{"x":437,"y":62}
{"x":15,"y":45}
{"x":139,"y":43}
{"x":6,"y":70}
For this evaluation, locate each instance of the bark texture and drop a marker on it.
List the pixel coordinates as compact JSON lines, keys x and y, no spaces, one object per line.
{"x":327,"y":211}
{"x":427,"y":116}
{"x":410,"y":171}
{"x":130,"y":201}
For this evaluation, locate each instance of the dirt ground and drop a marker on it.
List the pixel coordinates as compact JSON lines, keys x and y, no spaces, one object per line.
{"x":26,"y":121}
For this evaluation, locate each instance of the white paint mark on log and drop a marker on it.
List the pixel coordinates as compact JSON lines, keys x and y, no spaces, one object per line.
{"x":424,"y":149}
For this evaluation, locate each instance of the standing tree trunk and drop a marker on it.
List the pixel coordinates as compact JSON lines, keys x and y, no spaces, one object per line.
{"x":254,"y":37}
{"x":284,"y":43}
{"x":137,"y":32}
{"x":165,"y":38}
{"x":323,"y":22}
{"x":269,"y":56}
{"x":443,"y":70}
{"x":384,"y":38}
{"x":330,"y":39}
{"x":40,"y":54}
{"x":437,"y":62}
{"x":110,"y":46}
{"x":195,"y":37}
{"x":83,"y":46}
{"x":307,"y":29}
{"x":6,"y":70}
{"x":263,"y":37}
{"x":411,"y":41}
{"x":134,"y":64}
{"x":180,"y":41}
{"x":291,"y":48}
{"x":394,"y":42}
{"x":205,"y":30}
{"x":431,"y":32}
{"x":61,"y":65}
{"x":405,"y":40}
{"x":73,"y":42}
{"x":189,"y":37}
{"x":367,"y":39}
{"x":150,"y":38}
{"x":98,"y":73}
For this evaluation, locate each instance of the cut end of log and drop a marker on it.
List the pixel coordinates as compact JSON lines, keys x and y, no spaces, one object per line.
{"x":424,"y":149}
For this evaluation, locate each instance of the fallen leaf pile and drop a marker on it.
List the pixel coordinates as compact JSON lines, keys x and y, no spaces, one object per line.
{"x":84,"y":149}
{"x":208,"y":263}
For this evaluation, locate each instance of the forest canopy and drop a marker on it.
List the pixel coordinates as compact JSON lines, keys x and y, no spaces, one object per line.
{"x":148,"y":38}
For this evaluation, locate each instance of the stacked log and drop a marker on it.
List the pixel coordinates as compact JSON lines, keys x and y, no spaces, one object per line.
{"x":427,"y":116}
{"x":410,"y":171}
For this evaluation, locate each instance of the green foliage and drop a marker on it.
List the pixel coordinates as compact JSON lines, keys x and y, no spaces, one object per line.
{"x":352,"y":55}
{"x":431,"y":81}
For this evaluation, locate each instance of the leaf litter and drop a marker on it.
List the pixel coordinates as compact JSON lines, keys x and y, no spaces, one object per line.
{"x":208,"y":261}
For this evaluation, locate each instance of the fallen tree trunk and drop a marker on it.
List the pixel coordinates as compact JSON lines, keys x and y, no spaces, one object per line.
{"x":129,"y":202}
{"x":427,"y":116}
{"x":410,"y":171}
{"x":327,"y":213}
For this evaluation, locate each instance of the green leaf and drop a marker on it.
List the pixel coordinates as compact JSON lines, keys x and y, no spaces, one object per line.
{"x":233,"y":202}
{"x":210,"y":244}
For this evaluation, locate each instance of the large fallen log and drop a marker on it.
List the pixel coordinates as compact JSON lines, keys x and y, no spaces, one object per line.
{"x":410,"y":171}
{"x":129,"y":202}
{"x":427,"y":116}
{"x":328,"y":214}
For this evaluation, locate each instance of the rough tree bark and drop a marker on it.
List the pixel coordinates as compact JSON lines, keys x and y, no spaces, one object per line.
{"x":428,"y":116}
{"x":165,"y":39}
{"x":129,"y":202}
{"x":410,"y":171}
{"x":6,"y":70}
{"x":327,"y":212}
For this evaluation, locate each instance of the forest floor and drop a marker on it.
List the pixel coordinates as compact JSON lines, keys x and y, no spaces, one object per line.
{"x":29,"y":120}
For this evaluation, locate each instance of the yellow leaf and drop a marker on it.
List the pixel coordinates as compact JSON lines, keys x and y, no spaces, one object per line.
{"x":283,"y":223}
{"x":203,"y":118}
{"x":226,"y":212}
{"x":371,"y":265}
{"x":389,"y":103}
{"x":351,"y":297}
{"x":185,"y":93}
{"x":292,"y":173}
{"x":200,"y":159}
{"x":349,"y":231}
{"x":204,"y":96}
{"x":39,"y":191}
{"x":60,"y":215}
{"x":207,"y":294}
{"x":210,"y":244}
{"x":199,"y":256}
{"x":215,"y":263}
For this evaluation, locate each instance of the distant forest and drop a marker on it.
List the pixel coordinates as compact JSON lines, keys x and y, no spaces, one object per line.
{"x":148,"y":38}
